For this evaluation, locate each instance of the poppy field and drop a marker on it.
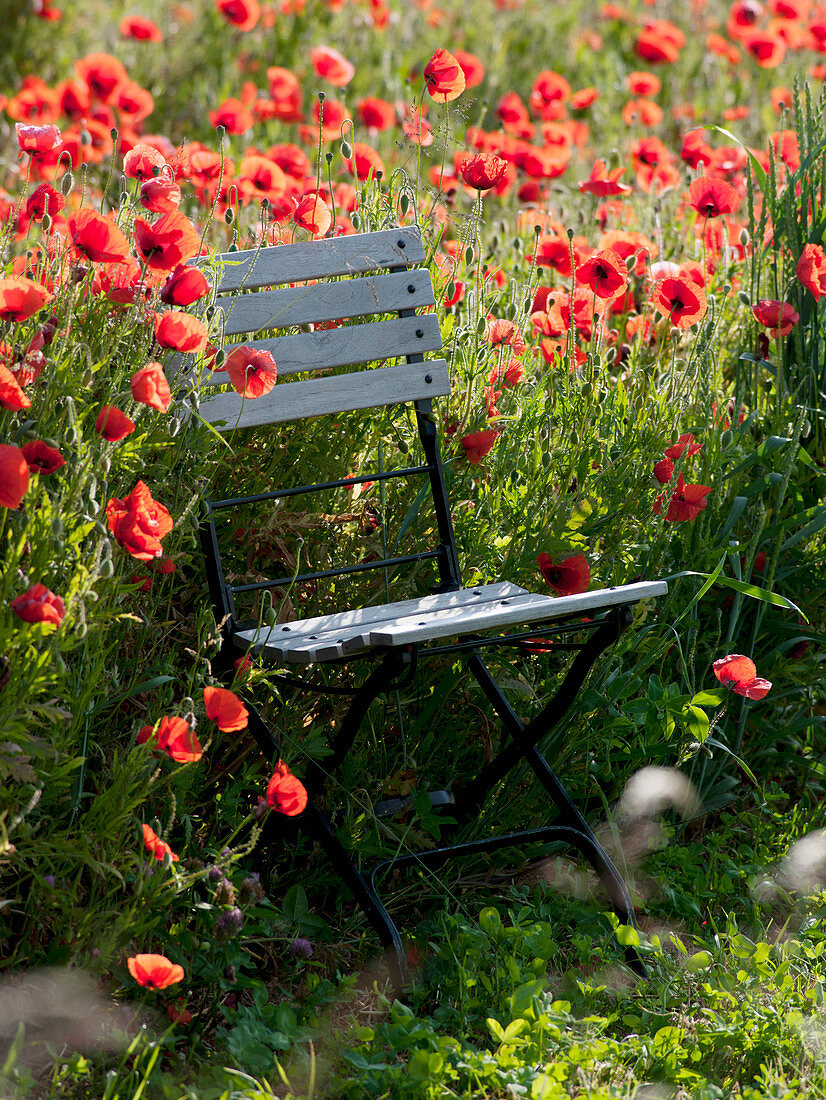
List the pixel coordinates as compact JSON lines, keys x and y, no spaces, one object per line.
{"x":623,"y":207}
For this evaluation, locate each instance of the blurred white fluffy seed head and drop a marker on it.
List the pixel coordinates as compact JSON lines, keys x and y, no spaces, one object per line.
{"x":803,"y":871}
{"x":652,"y":790}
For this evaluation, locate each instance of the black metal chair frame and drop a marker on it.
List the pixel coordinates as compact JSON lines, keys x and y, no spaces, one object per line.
{"x":394,"y":666}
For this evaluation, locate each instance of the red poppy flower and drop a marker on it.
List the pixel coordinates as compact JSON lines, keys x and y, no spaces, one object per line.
{"x":291,"y":159}
{"x":483,"y":171}
{"x":154,"y":971}
{"x":285,"y":793}
{"x":604,"y":273}
{"x":767,"y":49}
{"x":331,"y":66}
{"x":143,"y":162}
{"x":811,"y":270}
{"x":150,"y":387}
{"x":645,"y":84}
{"x":507,"y":375}
{"x":444,"y":77}
{"x":101,"y":73}
{"x":167,"y":242}
{"x":313,"y":214}
{"x":177,"y":330}
{"x":660,"y":42}
{"x":14,"y":476}
{"x":548,"y":92}
{"x":478,"y":444}
{"x":184,"y":286}
{"x":243,"y":14}
{"x":740,"y":674}
{"x":471,"y":66}
{"x":261,"y":178}
{"x":138,"y":523}
{"x":177,"y":1014}
{"x":133,"y":102}
{"x":681,"y":300}
{"x":12,"y":396}
{"x":376,"y":114}
{"x":687,"y":501}
{"x":225,"y":709}
{"x":603,"y":183}
{"x":21,"y":297}
{"x":36,"y":141}
{"x":503,"y":333}
{"x":712,"y":197}
{"x":664,"y":471}
{"x":157,"y":847}
{"x":44,"y":200}
{"x":233,"y":115}
{"x":778,"y":317}
{"x":142,"y":30}
{"x":161,"y":195}
{"x":568,"y":577}
{"x":38,"y":605}
{"x":113,"y":424}
{"x":252,"y":372}
{"x":685,"y":442}
{"x":175,"y":737}
{"x":364,"y":161}
{"x":582,"y":99}
{"x":97,"y":238}
{"x":41,"y":458}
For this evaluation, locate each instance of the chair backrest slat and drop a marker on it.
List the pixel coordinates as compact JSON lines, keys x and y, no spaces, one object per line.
{"x":320,"y":302}
{"x":350,"y":255}
{"x":345,"y":346}
{"x":317,"y":396}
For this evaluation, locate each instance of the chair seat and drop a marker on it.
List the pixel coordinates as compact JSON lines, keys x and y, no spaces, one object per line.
{"x":407,"y":622}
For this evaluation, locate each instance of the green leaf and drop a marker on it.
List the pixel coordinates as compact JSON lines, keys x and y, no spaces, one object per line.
{"x":753,"y":590}
{"x":715,"y":744}
{"x":806,"y":532}
{"x":708,"y":698}
{"x":757,"y":168}
{"x":496,"y":1030}
{"x":628,"y":936}
{"x":701,"y":960}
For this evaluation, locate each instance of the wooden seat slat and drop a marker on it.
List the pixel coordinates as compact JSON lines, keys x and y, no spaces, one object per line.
{"x":532,"y":608}
{"x":376,"y":613}
{"x":350,"y":255}
{"x":343,"y":346}
{"x":326,"y":301}
{"x":319,"y":396}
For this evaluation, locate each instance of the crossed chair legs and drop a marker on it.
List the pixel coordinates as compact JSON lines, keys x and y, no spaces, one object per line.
{"x":569,"y":826}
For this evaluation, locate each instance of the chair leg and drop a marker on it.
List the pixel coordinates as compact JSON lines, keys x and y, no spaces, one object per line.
{"x":522,"y":746}
{"x":314,"y":822}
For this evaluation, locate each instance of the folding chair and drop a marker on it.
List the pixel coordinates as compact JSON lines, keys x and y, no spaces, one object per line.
{"x":366,"y":276}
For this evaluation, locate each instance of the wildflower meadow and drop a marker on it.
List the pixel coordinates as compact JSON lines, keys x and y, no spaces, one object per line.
{"x":623,"y":208}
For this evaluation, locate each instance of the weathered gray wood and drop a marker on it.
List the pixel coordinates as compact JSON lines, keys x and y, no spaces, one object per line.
{"x":329,"y":645}
{"x":317,"y":396}
{"x":329,"y":637}
{"x":326,"y":301}
{"x":362,"y":617}
{"x":294,"y":263}
{"x":507,"y":612}
{"x":345,"y":346}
